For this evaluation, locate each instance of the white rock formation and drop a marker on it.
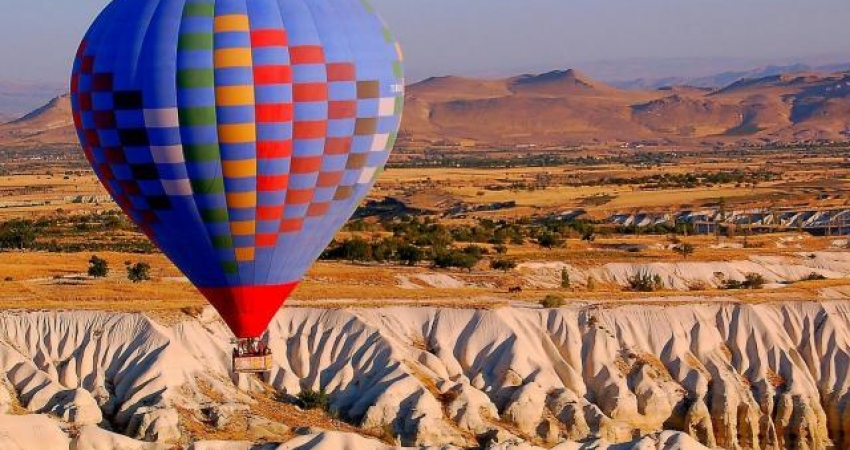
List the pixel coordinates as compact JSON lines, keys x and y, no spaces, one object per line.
{"x":695,"y":275}
{"x":734,"y":376}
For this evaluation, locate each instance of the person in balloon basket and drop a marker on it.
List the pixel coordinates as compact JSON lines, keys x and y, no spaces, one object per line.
{"x":251,"y":347}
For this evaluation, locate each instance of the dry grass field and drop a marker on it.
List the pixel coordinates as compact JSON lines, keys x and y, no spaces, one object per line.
{"x":40,"y":279}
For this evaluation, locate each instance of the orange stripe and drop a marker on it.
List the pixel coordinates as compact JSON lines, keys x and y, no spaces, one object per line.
{"x":243,"y":227}
{"x":244,"y":254}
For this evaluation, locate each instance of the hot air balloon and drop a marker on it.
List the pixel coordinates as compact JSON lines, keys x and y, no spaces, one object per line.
{"x":239,"y":135}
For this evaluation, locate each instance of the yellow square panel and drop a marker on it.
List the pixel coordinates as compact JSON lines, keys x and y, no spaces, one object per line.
{"x":231,"y":22}
{"x":245,"y":254}
{"x":237,"y":133}
{"x":234,"y":95}
{"x":242,"y":168}
{"x":241,"y":199}
{"x":243,"y":227}
{"x":232,"y":57}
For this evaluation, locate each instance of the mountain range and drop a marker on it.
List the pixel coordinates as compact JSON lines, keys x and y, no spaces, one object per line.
{"x":568,"y":108}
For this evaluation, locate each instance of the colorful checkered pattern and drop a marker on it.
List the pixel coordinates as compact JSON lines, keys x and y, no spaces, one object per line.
{"x":239,"y":134}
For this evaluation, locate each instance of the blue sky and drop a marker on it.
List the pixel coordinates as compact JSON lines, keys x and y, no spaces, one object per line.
{"x":494,"y":37}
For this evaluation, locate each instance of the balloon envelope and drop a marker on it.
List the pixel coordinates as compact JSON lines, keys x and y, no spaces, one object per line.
{"x":239,"y":135}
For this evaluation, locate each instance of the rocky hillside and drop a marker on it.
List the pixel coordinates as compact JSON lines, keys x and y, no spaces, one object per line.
{"x":716,"y":375}
{"x":50,"y":124}
{"x":566,"y":107}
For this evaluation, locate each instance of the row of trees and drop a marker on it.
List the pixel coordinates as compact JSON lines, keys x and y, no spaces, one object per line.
{"x":138,"y":272}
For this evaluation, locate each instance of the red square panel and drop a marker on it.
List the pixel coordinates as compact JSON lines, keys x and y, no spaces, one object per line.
{"x":310,"y":92}
{"x":269,"y":212}
{"x":341,"y":72}
{"x":272,"y":183}
{"x":299,"y":196}
{"x":291,"y":225}
{"x":329,"y":179}
{"x":266,"y":240}
{"x":307,"y":54}
{"x":338,"y":146}
{"x":274,"y":113}
{"x":342,"y":109}
{"x":264,"y":75}
{"x":302,"y":165}
{"x":269,"y":38}
{"x":316,"y":129}
{"x":318,"y":209}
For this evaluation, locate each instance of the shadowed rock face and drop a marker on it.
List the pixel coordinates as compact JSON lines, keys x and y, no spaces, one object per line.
{"x":770,"y":376}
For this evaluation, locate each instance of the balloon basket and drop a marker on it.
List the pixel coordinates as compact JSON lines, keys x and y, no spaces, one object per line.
{"x":252,"y":364}
{"x":251,"y":356}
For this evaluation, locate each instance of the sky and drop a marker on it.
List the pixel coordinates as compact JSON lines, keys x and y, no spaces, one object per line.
{"x":501,"y":37}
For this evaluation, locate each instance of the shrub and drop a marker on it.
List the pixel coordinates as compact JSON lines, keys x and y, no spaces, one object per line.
{"x":751,"y":281}
{"x":645,"y":282}
{"x":98,"y":267}
{"x":504,"y":265}
{"x":311,"y":399}
{"x":814,"y":276}
{"x":501,"y":249}
{"x":552,"y":301}
{"x":754,"y":281}
{"x":591,"y":284}
{"x":138,"y":272}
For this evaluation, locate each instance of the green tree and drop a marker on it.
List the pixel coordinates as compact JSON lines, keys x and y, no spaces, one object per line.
{"x":410,"y":254}
{"x":138,"y":272}
{"x":505,"y":265}
{"x":17,"y":234}
{"x":356,"y":249}
{"x":455,"y":258}
{"x":566,"y":283}
{"x":550,"y":240}
{"x":98,"y":267}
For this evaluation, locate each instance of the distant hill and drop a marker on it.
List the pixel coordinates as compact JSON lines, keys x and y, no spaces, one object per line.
{"x":722,"y":79}
{"x":50,"y":124}
{"x":568,"y":108}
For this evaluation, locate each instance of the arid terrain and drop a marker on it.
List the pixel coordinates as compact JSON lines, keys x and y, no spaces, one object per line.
{"x":653,"y":268}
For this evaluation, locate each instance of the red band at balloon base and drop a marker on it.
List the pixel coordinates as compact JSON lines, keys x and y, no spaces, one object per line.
{"x":248,"y":310}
